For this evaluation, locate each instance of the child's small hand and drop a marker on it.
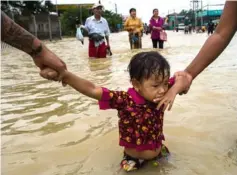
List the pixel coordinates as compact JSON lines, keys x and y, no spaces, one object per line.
{"x":49,"y":74}
{"x":168,"y":99}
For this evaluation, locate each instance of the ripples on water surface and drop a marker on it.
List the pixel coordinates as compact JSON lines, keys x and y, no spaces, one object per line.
{"x":47,"y":129}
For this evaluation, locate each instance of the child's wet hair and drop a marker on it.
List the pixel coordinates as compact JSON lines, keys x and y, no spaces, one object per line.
{"x":145,"y":64}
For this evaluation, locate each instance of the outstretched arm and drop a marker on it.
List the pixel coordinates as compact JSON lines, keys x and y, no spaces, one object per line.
{"x":81,"y":85}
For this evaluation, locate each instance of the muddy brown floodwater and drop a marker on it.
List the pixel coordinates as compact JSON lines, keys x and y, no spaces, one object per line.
{"x":50,"y":130}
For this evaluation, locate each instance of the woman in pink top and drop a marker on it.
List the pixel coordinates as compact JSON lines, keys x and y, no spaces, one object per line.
{"x":140,"y":122}
{"x":156,"y":24}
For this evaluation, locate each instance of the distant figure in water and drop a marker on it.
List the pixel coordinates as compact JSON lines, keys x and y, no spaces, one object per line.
{"x":134,"y":27}
{"x":156,"y":25}
{"x":140,"y":122}
{"x":210,"y":27}
{"x":98,"y":31}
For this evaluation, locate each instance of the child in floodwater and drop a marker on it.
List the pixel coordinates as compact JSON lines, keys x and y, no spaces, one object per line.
{"x":140,"y":122}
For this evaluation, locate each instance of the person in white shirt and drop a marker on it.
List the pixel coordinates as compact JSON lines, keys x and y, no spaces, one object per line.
{"x":98,"y":30}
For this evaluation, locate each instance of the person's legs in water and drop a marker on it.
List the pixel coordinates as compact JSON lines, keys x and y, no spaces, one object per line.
{"x":154,"y":43}
{"x":209,"y":31}
{"x":101,"y":52}
{"x":140,"y":42}
{"x":212,"y":31}
{"x":133,"y":41}
{"x":136,"y":45}
{"x":130,"y":42}
{"x":97,"y":52}
{"x":163,"y":156}
{"x":130,"y":163}
{"x":161,"y":44}
{"x":92,"y":49}
{"x":136,"y":41}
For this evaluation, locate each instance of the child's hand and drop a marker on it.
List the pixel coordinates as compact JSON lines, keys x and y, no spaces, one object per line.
{"x":49,"y":74}
{"x":168,"y":99}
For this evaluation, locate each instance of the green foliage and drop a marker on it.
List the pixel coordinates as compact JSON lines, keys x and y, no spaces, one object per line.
{"x":27,"y":8}
{"x":113,"y":19}
{"x":188,"y":15}
{"x":70,"y":18}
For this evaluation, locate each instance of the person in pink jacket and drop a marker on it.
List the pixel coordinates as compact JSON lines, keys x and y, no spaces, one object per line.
{"x":156,"y":23}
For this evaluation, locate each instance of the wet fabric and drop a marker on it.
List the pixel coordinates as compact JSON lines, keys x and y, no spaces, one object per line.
{"x":135,"y":41}
{"x":130,"y":163}
{"x":97,"y":51}
{"x":96,"y":37}
{"x":140,"y":122}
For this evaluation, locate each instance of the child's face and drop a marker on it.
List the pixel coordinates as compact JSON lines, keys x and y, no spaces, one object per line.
{"x":153,"y":87}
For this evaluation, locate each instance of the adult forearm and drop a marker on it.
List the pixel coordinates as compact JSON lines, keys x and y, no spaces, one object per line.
{"x":16,"y":36}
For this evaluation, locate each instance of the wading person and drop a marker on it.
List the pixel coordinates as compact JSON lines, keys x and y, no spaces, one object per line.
{"x":98,"y":30}
{"x":134,"y":27}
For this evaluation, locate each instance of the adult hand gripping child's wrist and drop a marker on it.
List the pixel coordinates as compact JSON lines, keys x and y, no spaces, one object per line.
{"x":184,"y":79}
{"x":181,"y":83}
{"x":51,"y":74}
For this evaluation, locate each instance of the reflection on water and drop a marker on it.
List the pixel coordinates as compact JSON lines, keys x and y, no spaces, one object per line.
{"x":48,"y":129}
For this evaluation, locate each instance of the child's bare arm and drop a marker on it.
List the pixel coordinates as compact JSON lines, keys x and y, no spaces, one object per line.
{"x":83,"y":86}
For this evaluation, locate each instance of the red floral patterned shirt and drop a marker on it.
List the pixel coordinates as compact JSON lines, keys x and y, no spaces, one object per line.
{"x":140,"y":122}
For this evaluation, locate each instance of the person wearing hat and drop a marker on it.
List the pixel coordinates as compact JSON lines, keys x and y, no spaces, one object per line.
{"x":134,"y":27}
{"x":98,"y":30}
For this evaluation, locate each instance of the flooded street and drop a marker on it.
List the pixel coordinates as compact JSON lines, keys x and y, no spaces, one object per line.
{"x":48,"y":129}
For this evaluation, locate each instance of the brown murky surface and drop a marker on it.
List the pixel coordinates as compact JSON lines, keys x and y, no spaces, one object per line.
{"x":50,"y":130}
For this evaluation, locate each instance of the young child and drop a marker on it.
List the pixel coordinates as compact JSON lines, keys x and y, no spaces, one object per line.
{"x":140,"y":122}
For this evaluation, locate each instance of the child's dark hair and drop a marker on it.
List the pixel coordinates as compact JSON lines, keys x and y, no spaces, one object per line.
{"x":145,"y":64}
